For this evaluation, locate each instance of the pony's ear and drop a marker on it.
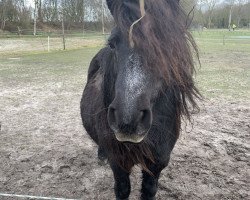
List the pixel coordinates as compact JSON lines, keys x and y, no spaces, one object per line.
{"x":110,"y":4}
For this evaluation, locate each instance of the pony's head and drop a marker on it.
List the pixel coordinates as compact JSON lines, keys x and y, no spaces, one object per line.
{"x":151,"y":57}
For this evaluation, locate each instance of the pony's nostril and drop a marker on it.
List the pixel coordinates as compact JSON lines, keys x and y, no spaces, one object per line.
{"x":112,"y":116}
{"x":145,"y":118}
{"x":129,"y":122}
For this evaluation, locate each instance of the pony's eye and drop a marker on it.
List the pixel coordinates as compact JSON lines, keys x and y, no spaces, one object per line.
{"x":111,"y":45}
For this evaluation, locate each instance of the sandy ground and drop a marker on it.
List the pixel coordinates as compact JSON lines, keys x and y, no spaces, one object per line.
{"x":44,"y":150}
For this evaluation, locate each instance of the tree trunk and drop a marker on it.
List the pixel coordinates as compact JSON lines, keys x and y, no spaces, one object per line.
{"x":209,"y":22}
{"x":238,"y":22}
{"x":35,"y":16}
{"x":103,"y":29}
{"x":230,"y":18}
{"x":3,"y":23}
{"x":3,"y":17}
{"x":40,"y":17}
{"x":63,"y":33}
{"x":83,"y":18}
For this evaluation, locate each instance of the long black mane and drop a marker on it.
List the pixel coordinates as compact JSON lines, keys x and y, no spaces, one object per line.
{"x":164,"y":42}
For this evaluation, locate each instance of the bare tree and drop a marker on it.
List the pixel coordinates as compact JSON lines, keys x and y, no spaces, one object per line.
{"x":210,"y":6}
{"x":3,"y":17}
{"x":240,"y":5}
{"x":13,"y":13}
{"x":231,"y":5}
{"x":50,"y":10}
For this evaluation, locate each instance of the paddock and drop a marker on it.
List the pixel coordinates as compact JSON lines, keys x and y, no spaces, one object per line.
{"x":45,"y":152}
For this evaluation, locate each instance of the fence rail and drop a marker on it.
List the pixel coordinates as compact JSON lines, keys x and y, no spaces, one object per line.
{"x":32,"y":197}
{"x":54,"y":33}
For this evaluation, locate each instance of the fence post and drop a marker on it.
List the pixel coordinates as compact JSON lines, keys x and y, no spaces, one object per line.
{"x":48,"y":44}
{"x":103,"y":29}
{"x":63,"y":32}
{"x":224,"y":39}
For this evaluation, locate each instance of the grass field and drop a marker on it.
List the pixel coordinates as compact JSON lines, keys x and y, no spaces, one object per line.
{"x":44,"y":150}
{"x":224,"y":67}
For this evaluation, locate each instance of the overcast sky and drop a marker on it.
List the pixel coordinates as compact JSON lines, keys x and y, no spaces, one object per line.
{"x":31,"y":2}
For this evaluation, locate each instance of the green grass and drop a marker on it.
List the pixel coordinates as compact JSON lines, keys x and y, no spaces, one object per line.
{"x":212,"y":41}
{"x":61,"y":66}
{"x":225,"y":68}
{"x":221,"y":80}
{"x":224,"y":71}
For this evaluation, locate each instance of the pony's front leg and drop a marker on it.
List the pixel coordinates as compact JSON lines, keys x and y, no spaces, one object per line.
{"x":150,"y":181}
{"x":149,"y":186}
{"x":102,"y":156}
{"x":122,"y":182}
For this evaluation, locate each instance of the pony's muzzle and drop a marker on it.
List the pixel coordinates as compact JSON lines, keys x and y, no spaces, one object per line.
{"x":129,"y":126}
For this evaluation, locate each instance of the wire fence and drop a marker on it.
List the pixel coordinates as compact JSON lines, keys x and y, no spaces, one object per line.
{"x":223,"y":37}
{"x":51,"y":41}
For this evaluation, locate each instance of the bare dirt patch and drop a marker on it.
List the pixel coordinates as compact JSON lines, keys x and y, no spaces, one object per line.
{"x":44,"y":151}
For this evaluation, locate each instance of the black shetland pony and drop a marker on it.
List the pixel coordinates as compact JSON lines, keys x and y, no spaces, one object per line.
{"x":139,"y":86}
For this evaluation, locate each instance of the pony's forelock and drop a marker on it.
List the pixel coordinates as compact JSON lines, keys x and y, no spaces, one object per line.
{"x":163,"y":42}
